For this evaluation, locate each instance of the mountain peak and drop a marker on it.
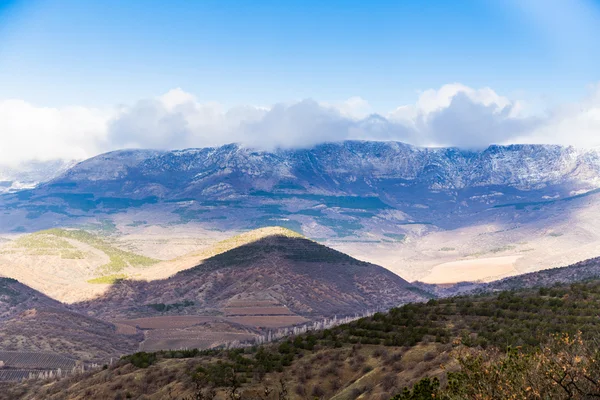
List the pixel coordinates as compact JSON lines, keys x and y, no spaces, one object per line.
{"x":270,"y":263}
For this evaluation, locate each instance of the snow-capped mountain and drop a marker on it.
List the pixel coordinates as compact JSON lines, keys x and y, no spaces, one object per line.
{"x":351,"y":167}
{"x":339,"y":187}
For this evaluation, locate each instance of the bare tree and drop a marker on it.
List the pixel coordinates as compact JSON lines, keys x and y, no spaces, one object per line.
{"x":234,"y":386}
{"x":283,"y":391}
{"x":267,"y":391}
{"x":202,"y":390}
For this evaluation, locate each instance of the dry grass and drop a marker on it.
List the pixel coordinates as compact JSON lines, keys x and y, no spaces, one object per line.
{"x":166,"y":322}
{"x":124,"y":329}
{"x":258,"y":311}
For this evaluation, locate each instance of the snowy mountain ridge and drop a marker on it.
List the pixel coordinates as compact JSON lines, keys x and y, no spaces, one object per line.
{"x":340,"y":166}
{"x":343,"y":190}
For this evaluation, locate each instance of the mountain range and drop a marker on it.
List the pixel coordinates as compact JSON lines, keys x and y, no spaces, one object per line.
{"x":406,"y":208}
{"x":143,"y":250}
{"x":267,"y":279}
{"x":445,"y":187}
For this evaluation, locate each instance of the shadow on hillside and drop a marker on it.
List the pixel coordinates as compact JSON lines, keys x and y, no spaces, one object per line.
{"x":309,"y":278}
{"x":37,"y":209}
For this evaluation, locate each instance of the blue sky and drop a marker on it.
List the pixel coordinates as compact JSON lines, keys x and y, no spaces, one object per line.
{"x":81,"y":77}
{"x":92,"y":53}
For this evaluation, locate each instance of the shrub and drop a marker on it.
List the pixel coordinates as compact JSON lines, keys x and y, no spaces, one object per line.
{"x":318,"y":391}
{"x":141,"y":359}
{"x":425,"y":389}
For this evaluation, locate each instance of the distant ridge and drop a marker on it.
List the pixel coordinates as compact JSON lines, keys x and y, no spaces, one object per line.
{"x":331,"y":191}
{"x":328,"y":168}
{"x":578,"y":272}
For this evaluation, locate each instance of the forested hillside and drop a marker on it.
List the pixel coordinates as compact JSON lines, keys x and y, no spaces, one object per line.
{"x":376,"y":357}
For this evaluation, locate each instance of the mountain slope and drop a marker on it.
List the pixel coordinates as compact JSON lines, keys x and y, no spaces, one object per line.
{"x":189,"y":260}
{"x":372,"y":176}
{"x":371,"y":358}
{"x":30,"y":321}
{"x":403,"y":207}
{"x":306,"y":277}
{"x":16,"y":298}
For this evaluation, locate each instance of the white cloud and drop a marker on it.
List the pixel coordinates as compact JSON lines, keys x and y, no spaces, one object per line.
{"x":355,"y":107}
{"x":298,"y":125}
{"x":572,"y":124}
{"x":454,"y":115}
{"x":176,"y":97}
{"x":30,"y":132}
{"x":177,"y":120}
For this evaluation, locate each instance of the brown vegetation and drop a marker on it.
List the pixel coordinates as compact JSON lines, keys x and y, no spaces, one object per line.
{"x":32,"y":322}
{"x":166,"y":322}
{"x":374,"y":357}
{"x":239,"y":311}
{"x":309,"y":279}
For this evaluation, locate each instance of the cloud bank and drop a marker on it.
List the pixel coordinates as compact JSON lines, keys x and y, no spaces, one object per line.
{"x":453,"y":115}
